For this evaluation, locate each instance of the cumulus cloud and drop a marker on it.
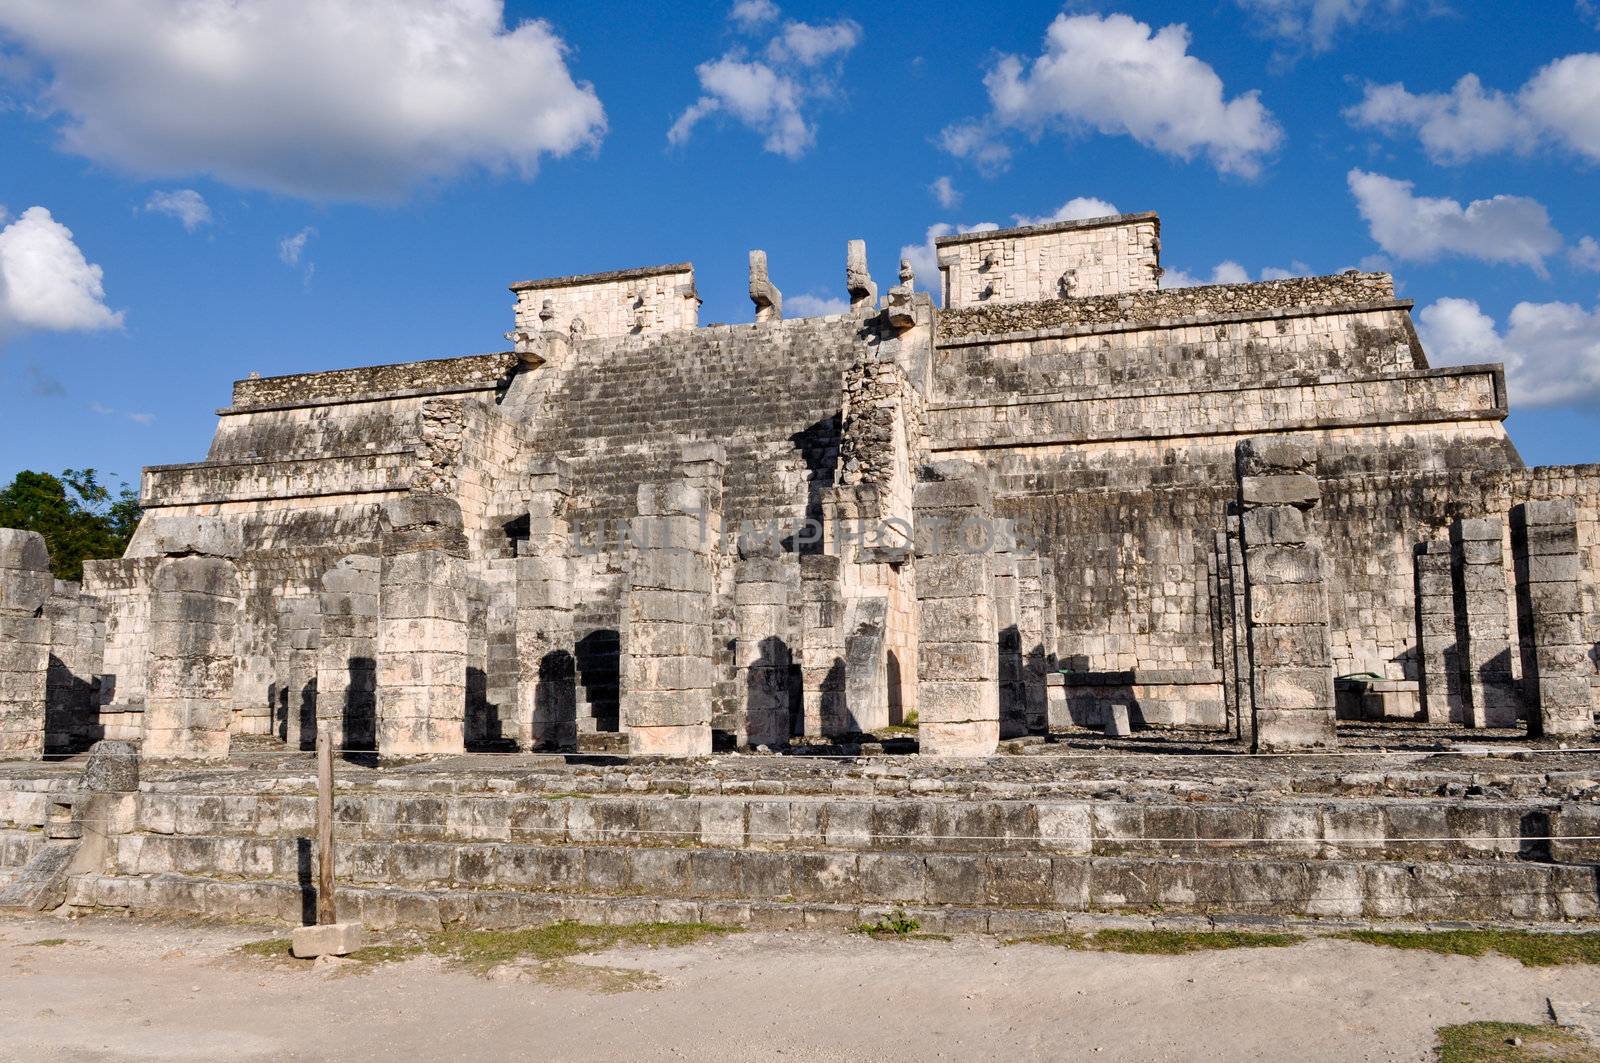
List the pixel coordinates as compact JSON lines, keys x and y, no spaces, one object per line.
{"x":770,"y":94}
{"x":1314,"y":24}
{"x":944,"y":190}
{"x":1115,"y":75}
{"x":185,"y":204}
{"x":1076,"y":209}
{"x":1423,"y":228}
{"x":291,"y":248}
{"x":1551,"y":351}
{"x":1585,"y":254}
{"x":810,"y":305}
{"x":1560,"y":104}
{"x":323,"y":99}
{"x":924,"y":257}
{"x":46,"y":283}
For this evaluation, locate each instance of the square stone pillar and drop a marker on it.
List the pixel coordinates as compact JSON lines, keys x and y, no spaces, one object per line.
{"x":300,"y":631}
{"x":347,"y":662}
{"x":422,"y":628}
{"x":1033,"y":630}
{"x":668,"y":674}
{"x":1232,"y":573}
{"x":822,"y":677}
{"x":762,"y":655}
{"x":1556,"y":664}
{"x":958,"y":667}
{"x":25,"y":585}
{"x":1438,"y":655}
{"x":194,"y":608}
{"x":1483,"y":622}
{"x":547,"y":681}
{"x":1007,"y":620}
{"x":1286,"y":596}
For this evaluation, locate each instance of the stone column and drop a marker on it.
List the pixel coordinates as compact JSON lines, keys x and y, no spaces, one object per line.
{"x":761,"y":653}
{"x":1555,"y":667}
{"x":1008,"y":643}
{"x":347,"y":663}
{"x":822,"y":665}
{"x":194,"y":609}
{"x":958,"y":694}
{"x":1286,"y":596}
{"x":667,"y":670}
{"x":300,"y":630}
{"x":1438,"y":655}
{"x":547,"y":691}
{"x":1483,"y":622}
{"x":1032,"y":625}
{"x":71,"y":710}
{"x":422,"y":628}
{"x":25,"y":585}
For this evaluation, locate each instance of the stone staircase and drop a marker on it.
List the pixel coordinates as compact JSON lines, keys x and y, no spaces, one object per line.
{"x":830,"y":847}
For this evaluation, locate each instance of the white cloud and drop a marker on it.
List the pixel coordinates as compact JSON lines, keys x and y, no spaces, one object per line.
{"x":808,"y":305}
{"x":1075,"y":209}
{"x":924,"y":257}
{"x":185,"y":204}
{"x":1560,"y":104}
{"x":770,"y":95}
{"x":46,"y":283}
{"x":1424,"y":228}
{"x":1551,"y":351}
{"x":1114,"y":75}
{"x":945,"y":192}
{"x":106,"y":411}
{"x":750,"y":15}
{"x":291,"y":248}
{"x":808,"y":44}
{"x":978,"y":144}
{"x":1585,"y":254}
{"x":1314,"y":24}
{"x":324,"y":99}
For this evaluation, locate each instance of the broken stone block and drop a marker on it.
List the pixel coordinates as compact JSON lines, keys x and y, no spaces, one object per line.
{"x":327,"y":939}
{"x":1117,"y":723}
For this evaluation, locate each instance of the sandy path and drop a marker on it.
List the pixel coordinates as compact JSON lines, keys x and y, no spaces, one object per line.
{"x":120,"y":990}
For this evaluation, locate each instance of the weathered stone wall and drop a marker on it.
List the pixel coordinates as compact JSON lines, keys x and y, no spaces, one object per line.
{"x":25,"y":586}
{"x":619,"y":303}
{"x":1097,"y":256}
{"x":474,"y":372}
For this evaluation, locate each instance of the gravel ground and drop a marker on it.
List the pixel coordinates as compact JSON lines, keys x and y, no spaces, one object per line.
{"x":105,"y":989}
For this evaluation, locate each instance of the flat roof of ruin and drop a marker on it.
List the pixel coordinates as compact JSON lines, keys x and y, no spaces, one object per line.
{"x":1048,"y":227}
{"x":602,"y":278}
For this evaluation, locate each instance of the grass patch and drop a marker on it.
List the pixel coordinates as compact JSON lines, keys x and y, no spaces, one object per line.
{"x":1161,"y":942}
{"x":897,"y":926}
{"x":47,"y":942}
{"x":1529,"y":948}
{"x":271,"y":949}
{"x":1491,"y":1042}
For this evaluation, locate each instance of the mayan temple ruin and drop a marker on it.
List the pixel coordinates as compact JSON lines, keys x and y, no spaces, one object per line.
{"x":1064,"y":592}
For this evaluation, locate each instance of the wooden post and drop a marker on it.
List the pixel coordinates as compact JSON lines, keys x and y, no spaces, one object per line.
{"x":325,"y":739}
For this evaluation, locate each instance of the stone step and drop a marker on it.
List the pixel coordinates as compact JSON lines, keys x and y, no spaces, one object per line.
{"x":1374,"y":828}
{"x":559,"y":884}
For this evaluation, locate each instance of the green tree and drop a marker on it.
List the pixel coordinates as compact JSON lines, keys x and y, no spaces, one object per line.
{"x":80,"y":518}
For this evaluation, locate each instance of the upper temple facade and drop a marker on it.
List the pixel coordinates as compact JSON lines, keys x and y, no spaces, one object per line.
{"x":448,"y":554}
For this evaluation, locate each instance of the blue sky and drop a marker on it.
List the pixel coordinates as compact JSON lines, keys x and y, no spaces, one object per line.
{"x":288,"y":186}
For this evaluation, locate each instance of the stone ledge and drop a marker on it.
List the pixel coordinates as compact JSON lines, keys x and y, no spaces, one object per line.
{"x":577,"y":280}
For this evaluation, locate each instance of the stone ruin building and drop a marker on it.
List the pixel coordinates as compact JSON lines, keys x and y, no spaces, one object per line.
{"x":1068,"y":500}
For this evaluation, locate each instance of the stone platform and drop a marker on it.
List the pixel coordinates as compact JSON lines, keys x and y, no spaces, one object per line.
{"x":1492,"y":832}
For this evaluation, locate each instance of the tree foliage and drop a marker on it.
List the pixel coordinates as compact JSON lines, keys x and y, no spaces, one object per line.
{"x":79,"y":517}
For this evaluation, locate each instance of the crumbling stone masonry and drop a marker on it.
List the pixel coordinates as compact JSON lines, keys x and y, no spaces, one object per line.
{"x":25,"y":584}
{"x":1286,"y":597}
{"x":1483,"y":622}
{"x":958,"y":668}
{"x":1556,"y":672}
{"x":422,"y":628}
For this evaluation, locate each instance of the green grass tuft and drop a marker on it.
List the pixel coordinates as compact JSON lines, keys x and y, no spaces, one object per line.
{"x":1490,"y":1042}
{"x":896,"y":924}
{"x":1530,"y":948}
{"x":1162,"y":942}
{"x":47,"y":942}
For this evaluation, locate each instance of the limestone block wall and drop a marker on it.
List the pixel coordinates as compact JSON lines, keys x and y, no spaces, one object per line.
{"x":469,"y":450}
{"x":77,"y":644}
{"x":618,"y":303}
{"x":25,"y":586}
{"x":123,"y":588}
{"x":1097,"y":256}
{"x":194,"y":603}
{"x":347,"y":662}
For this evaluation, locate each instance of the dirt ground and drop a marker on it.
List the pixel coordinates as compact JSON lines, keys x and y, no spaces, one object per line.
{"x":108,"y":989}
